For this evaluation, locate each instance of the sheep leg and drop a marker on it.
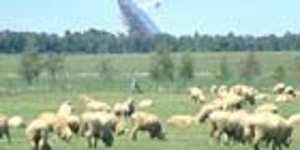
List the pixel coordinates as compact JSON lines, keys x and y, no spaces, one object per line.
{"x":134,"y":133}
{"x":213,"y":129}
{"x":95,"y":142}
{"x":258,"y":136}
{"x":7,"y":134}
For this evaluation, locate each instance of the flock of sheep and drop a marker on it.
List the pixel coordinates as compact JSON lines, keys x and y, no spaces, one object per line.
{"x":227,"y":113}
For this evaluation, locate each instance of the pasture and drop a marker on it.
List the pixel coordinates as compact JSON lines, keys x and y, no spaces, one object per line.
{"x":81,"y":76}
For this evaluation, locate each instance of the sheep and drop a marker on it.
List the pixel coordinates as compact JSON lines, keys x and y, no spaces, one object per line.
{"x":220,"y":91}
{"x":290,"y":91}
{"x":145,"y":103}
{"x":97,"y":125}
{"x":207,"y":109}
{"x":16,"y":122}
{"x":4,"y":127}
{"x":245,"y":91}
{"x":93,"y":105}
{"x":73,"y":123}
{"x":181,"y":120}
{"x":197,"y":95}
{"x":125,"y":109}
{"x":219,"y":122}
{"x":262,"y":97}
{"x":58,"y":124}
{"x":268,"y":107}
{"x":37,"y":134}
{"x":284,"y":98}
{"x":279,"y":88}
{"x":65,"y":109}
{"x":294,"y":119}
{"x":143,"y":121}
{"x":269,"y":127}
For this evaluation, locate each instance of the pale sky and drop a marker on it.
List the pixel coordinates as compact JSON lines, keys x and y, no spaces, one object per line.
{"x":177,"y":17}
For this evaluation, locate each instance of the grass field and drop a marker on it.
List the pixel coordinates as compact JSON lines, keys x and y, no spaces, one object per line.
{"x":81,"y":77}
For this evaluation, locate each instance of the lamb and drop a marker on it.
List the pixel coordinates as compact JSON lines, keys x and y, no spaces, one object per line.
{"x":181,"y":120}
{"x":197,"y":95}
{"x":16,"y":122}
{"x":143,"y":121}
{"x":93,"y":105}
{"x":125,"y":109}
{"x":37,"y":134}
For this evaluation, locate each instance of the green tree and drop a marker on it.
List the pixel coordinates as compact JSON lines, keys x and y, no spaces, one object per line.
{"x":249,"y":67}
{"x":186,"y":67}
{"x":106,"y":69}
{"x":279,"y":74}
{"x":162,"y":67}
{"x":31,"y":62}
{"x":224,"y":73}
{"x":54,"y":64}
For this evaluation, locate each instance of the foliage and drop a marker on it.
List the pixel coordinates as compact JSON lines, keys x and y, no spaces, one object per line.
{"x":249,"y":67}
{"x":162,"y":67}
{"x":186,"y":67}
{"x":279,"y":74}
{"x":224,"y":73}
{"x":99,"y":41}
{"x":106,"y":69}
{"x":31,"y":63}
{"x":54,"y":64}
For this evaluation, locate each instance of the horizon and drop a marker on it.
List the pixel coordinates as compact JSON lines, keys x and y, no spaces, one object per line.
{"x":253,"y":17}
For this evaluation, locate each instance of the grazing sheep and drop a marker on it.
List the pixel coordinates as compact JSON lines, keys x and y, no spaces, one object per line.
{"x":181,"y":120}
{"x":279,"y":88}
{"x":219,"y":121}
{"x":268,"y":107}
{"x":97,"y":125}
{"x":150,"y":123}
{"x":197,"y":95}
{"x":145,"y":103}
{"x":37,"y":134}
{"x":58,"y":124}
{"x":247,"y":92}
{"x":16,"y":122}
{"x":93,"y":105}
{"x":4,"y":128}
{"x":125,"y":109}
{"x":269,"y":127}
{"x":290,"y":91}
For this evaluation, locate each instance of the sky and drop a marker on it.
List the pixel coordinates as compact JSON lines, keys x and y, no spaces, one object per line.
{"x":178,"y":17}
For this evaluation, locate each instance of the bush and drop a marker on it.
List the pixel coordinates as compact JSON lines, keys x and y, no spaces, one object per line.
{"x":54,"y":64}
{"x":106,"y":69}
{"x":279,"y":74}
{"x":224,"y":73}
{"x":31,"y":63}
{"x":249,"y":67}
{"x":162,"y":67}
{"x":186,"y":67}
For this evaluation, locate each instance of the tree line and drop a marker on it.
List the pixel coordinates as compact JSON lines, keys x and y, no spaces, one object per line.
{"x":98,"y":41}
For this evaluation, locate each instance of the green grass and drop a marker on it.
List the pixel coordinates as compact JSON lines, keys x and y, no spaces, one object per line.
{"x":18,"y":98}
